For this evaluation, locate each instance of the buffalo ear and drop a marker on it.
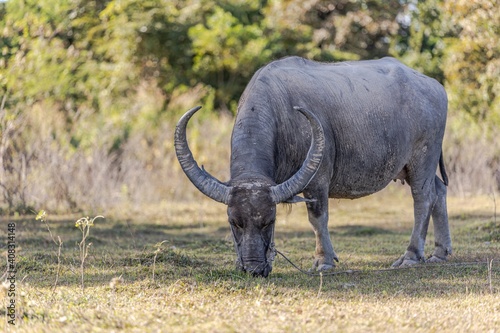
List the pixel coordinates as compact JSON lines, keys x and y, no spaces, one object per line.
{"x":297,"y":199}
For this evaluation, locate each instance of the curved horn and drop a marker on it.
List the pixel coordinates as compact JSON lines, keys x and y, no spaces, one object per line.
{"x":301,"y":179}
{"x":203,"y":181}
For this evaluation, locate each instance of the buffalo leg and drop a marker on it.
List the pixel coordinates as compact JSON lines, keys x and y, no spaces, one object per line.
{"x":318,"y":217}
{"x":442,"y":238}
{"x":424,"y":199}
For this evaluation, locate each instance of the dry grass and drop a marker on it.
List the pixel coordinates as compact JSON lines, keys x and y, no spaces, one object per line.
{"x":197,"y":289}
{"x":472,"y":159}
{"x":48,"y":167}
{"x":45,"y":171}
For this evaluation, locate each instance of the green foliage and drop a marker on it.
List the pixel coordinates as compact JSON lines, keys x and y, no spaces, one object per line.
{"x":472,"y":63}
{"x":420,"y":43}
{"x":353,"y":29}
{"x":86,"y":58}
{"x":226,"y":52}
{"x":457,"y":42}
{"x":38,"y":63}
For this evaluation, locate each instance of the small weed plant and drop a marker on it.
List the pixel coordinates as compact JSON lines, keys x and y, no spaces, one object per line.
{"x":84,"y":224}
{"x":157,"y":251}
{"x":42,"y":216}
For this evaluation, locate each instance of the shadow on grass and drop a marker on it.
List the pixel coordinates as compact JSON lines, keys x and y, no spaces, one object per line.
{"x":424,"y":281}
{"x":203,"y":254}
{"x":471,"y":216}
{"x":361,"y":231}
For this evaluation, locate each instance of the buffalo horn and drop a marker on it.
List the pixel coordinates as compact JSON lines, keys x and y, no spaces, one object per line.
{"x":301,"y":179}
{"x":203,"y":181}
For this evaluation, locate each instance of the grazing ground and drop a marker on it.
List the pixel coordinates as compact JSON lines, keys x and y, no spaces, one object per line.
{"x":135,"y":283}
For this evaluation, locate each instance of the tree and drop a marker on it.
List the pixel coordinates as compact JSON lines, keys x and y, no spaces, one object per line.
{"x":336,"y":30}
{"x":472,"y":62}
{"x":227,"y":49}
{"x":35,"y":65}
{"x":420,"y":43}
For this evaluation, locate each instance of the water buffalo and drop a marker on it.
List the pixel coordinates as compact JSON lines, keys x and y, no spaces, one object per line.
{"x":329,"y":130}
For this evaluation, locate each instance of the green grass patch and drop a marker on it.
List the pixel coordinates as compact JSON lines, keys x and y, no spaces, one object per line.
{"x":196,"y":288}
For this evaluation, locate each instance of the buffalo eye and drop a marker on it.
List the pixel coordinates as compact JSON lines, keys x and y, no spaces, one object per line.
{"x":268,"y":224}
{"x":235,"y":224}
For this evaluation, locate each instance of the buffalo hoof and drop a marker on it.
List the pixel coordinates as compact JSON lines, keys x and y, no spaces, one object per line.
{"x":435,"y":260}
{"x":325,"y":267}
{"x":320,"y":266}
{"x":405,"y":261}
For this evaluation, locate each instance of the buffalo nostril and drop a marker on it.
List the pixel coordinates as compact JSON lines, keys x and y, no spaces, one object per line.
{"x":262,"y":273}
{"x":259,"y":272}
{"x":257,"y":268}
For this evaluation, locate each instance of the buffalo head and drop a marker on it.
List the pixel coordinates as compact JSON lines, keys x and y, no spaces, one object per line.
{"x":252,"y":202}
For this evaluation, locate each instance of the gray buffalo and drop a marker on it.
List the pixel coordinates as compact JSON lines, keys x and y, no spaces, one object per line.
{"x":329,"y":130}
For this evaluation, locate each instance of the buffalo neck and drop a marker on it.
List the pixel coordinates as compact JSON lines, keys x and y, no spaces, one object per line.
{"x":252,"y":143}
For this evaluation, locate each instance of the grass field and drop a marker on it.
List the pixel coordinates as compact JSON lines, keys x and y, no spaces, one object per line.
{"x":197,"y":289}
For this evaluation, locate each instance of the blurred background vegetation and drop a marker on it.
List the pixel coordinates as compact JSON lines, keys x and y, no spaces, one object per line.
{"x":91,"y":90}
